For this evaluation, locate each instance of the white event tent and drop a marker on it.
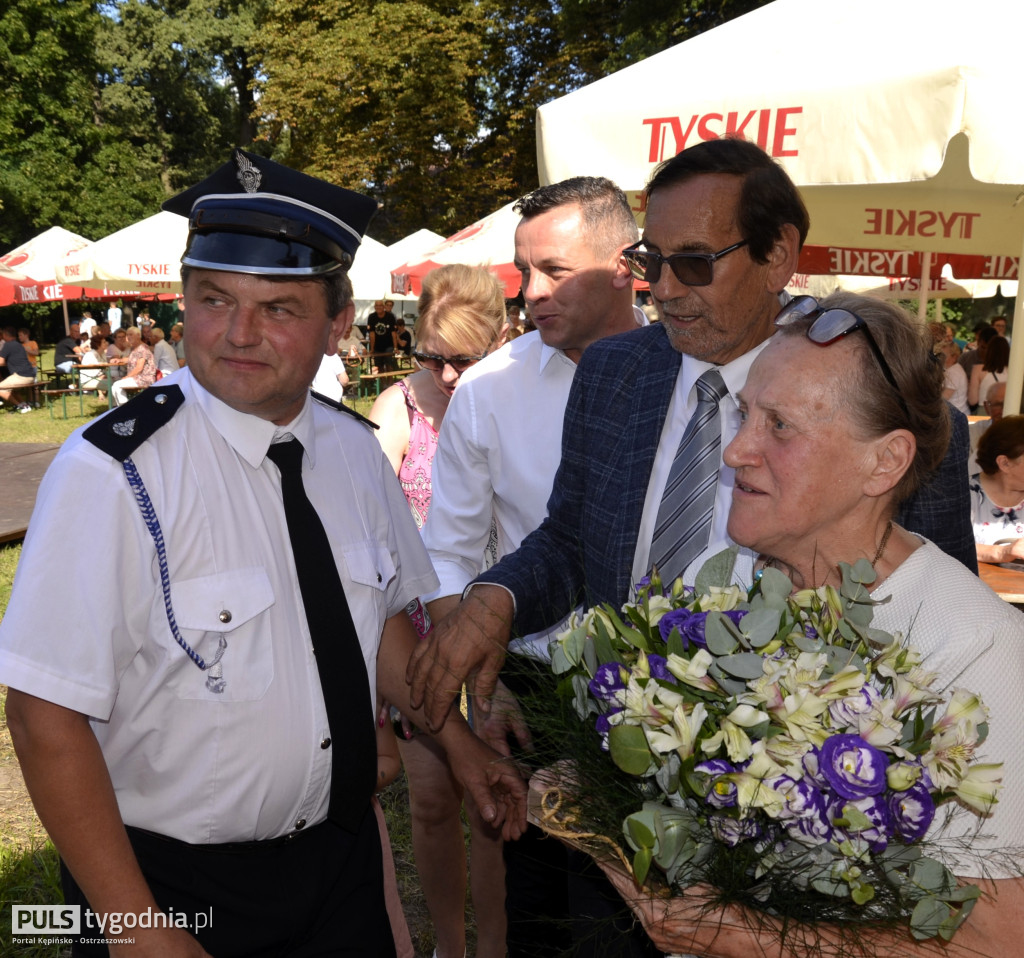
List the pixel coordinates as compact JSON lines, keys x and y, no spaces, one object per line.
{"x":898,"y":119}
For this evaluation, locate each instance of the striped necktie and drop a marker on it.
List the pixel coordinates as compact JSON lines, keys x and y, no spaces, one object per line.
{"x":683,"y":528}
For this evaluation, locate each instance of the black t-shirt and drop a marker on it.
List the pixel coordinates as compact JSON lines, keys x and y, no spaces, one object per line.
{"x":382,"y":327}
{"x":16,"y":360}
{"x":404,"y":341}
{"x":65,"y":351}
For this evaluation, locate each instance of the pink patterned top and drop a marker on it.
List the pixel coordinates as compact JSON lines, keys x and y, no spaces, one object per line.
{"x":414,"y":473}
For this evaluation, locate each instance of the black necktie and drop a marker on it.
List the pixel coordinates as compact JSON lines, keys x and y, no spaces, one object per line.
{"x":339,"y":659}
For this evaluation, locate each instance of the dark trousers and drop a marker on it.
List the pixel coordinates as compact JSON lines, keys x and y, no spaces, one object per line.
{"x":557,"y":901}
{"x":319,"y":893}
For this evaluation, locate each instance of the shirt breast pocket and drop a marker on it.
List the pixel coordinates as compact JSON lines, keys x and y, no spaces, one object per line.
{"x":370,"y":570}
{"x":228,"y":605}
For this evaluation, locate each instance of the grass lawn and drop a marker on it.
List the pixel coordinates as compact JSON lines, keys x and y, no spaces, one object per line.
{"x":28,"y":862}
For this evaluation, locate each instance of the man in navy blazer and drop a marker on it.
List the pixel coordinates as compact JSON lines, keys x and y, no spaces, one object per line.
{"x":729,"y":203}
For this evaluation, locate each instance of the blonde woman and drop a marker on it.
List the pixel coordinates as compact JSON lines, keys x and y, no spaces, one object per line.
{"x":461,"y":319}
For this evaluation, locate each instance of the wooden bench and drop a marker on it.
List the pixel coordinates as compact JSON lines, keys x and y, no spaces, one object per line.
{"x":50,"y":393}
{"x":366,"y":380}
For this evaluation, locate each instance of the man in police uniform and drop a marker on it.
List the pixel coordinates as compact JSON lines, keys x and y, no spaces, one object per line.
{"x":178,"y":735}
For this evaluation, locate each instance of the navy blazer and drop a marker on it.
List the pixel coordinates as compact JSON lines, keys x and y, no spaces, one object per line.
{"x":583,"y":551}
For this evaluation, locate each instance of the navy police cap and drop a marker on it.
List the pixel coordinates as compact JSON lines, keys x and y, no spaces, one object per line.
{"x":253,"y":215}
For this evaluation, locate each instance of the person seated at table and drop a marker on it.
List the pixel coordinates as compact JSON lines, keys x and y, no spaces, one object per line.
{"x":117,"y":354}
{"x":68,"y":351}
{"x":141,"y":369}
{"x":92,"y":379}
{"x":826,"y":450}
{"x":997,"y":492}
{"x":31,"y":348}
{"x":163,"y":353}
{"x":403,"y":339}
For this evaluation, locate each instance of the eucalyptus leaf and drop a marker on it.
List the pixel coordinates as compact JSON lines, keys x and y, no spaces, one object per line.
{"x":716,"y":571}
{"x":639,"y":829}
{"x":729,"y":685}
{"x":718,"y":634}
{"x":590,"y":659}
{"x":775,"y":583}
{"x":628,"y":747}
{"x":760,"y":626}
{"x":743,"y":665}
{"x":927,"y":916}
{"x":807,"y":644}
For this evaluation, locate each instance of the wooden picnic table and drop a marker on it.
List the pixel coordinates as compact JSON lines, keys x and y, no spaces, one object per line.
{"x":1006,"y":580}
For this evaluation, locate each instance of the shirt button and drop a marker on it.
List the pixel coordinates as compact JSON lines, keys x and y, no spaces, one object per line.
{"x":301,"y":823}
{"x":225,"y":616}
{"x":325,"y":743}
{"x":379,"y":578}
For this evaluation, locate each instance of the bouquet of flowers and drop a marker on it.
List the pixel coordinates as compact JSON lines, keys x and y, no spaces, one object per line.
{"x":779,"y":746}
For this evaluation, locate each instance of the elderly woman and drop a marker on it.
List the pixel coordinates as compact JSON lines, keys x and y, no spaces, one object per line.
{"x":997,"y":492}
{"x":842,"y":417}
{"x":141,"y":367}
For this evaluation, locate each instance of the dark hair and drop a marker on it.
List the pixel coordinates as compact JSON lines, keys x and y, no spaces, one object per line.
{"x":769,"y":199}
{"x":607,"y":216}
{"x":1003,"y":438}
{"x":337,"y":286}
{"x":96,"y":339}
{"x":871,"y":400}
{"x":10,"y":331}
{"x":997,"y":356}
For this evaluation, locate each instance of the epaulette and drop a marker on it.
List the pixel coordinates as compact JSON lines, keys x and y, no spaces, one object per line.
{"x":123,"y":430}
{"x":341,"y":407}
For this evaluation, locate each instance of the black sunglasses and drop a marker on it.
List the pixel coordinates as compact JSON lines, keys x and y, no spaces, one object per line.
{"x":691,"y":269}
{"x":830,"y":325}
{"x":436,"y":363}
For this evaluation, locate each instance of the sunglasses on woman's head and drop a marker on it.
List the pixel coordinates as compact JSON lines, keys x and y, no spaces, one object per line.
{"x":830,"y":325}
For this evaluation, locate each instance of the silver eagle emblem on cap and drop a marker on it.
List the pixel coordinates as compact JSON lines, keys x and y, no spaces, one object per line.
{"x":126,"y":428}
{"x":248,"y":175}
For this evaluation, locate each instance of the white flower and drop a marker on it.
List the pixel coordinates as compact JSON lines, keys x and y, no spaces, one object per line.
{"x":979,"y":786}
{"x":680,"y":735}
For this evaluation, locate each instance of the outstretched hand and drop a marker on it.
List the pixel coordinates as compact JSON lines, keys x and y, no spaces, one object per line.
{"x":494,"y":783}
{"x":466,"y":646}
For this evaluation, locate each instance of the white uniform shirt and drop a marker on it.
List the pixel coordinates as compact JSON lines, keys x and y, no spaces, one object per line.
{"x":681,"y":408}
{"x":247,"y":763}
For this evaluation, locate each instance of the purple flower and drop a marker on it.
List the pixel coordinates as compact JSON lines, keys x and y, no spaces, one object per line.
{"x":603,"y":726}
{"x":876,"y":810}
{"x":607,"y":682}
{"x":852,"y":767}
{"x":721,"y":793}
{"x":812,"y":768}
{"x":811,"y":829}
{"x":731,"y":831}
{"x":844,"y":712}
{"x":691,"y":625}
{"x":659,"y":668}
{"x":800,"y":798}
{"x":912,"y":812}
{"x":642,"y":584}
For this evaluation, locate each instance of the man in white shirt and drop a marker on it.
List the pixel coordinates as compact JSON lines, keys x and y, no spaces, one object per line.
{"x":499,"y":448}
{"x":163,"y":353}
{"x":177,"y":733}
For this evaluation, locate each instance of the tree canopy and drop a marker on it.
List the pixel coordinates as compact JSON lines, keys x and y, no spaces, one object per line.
{"x":428,"y":105}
